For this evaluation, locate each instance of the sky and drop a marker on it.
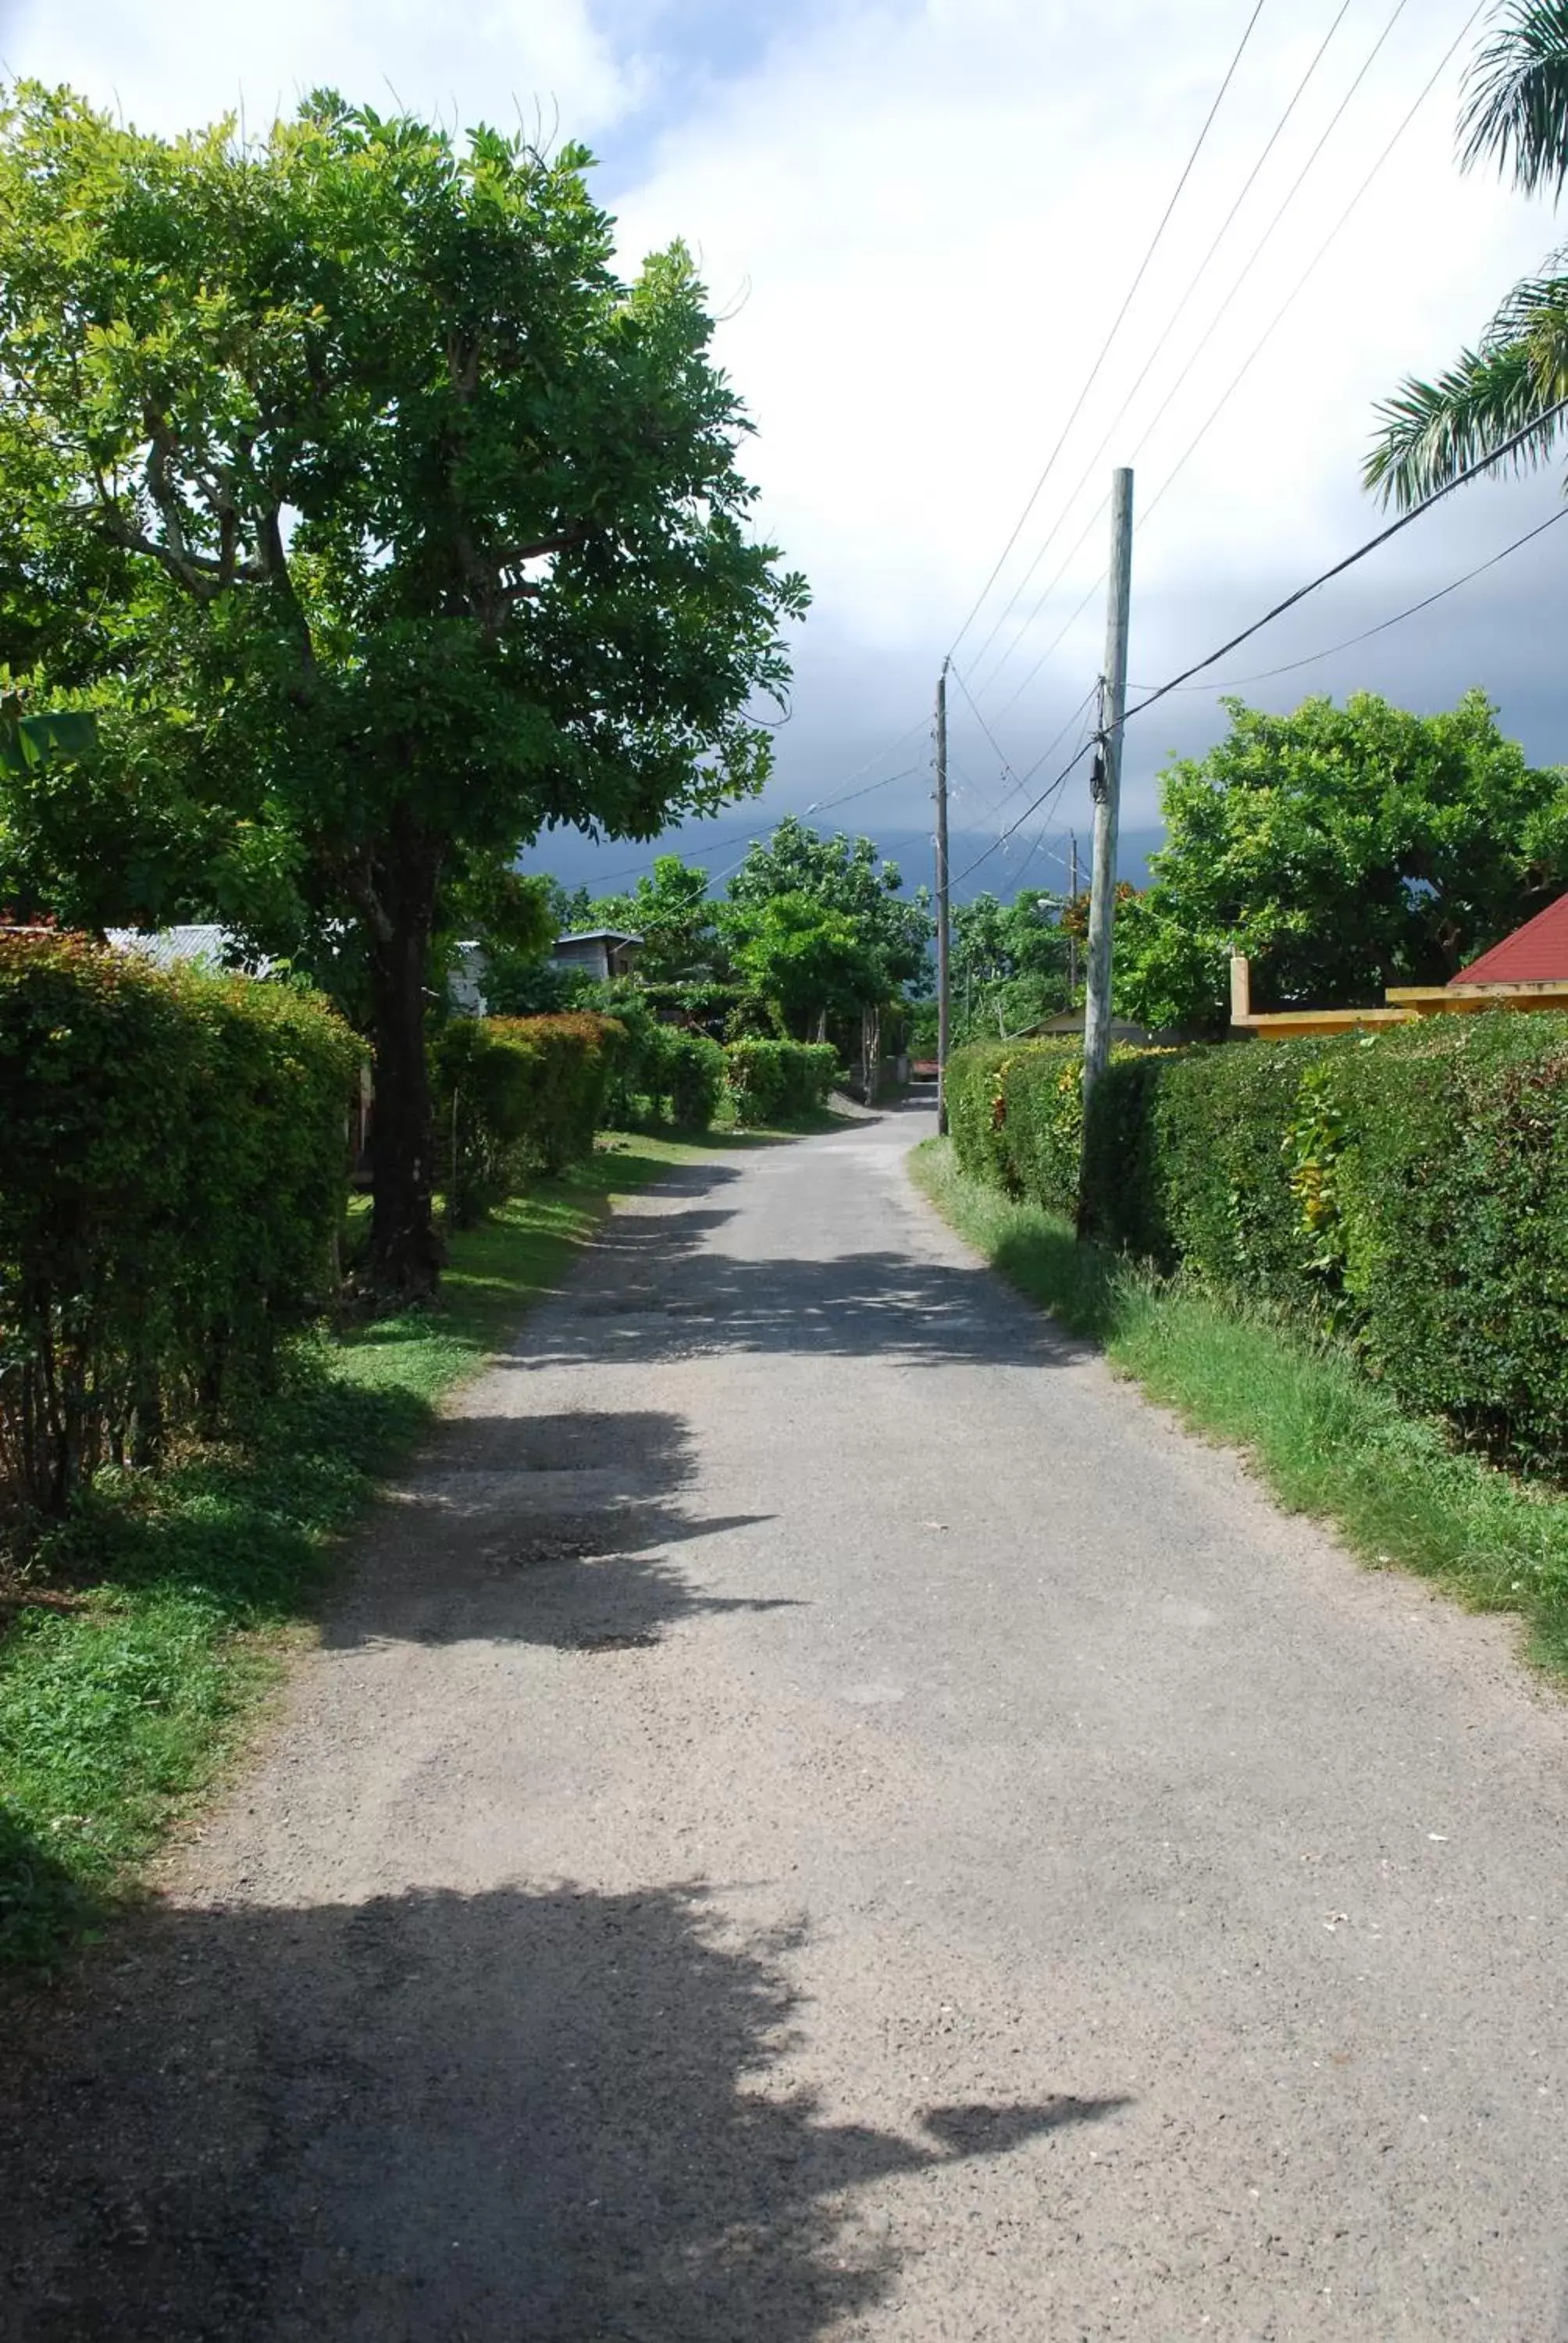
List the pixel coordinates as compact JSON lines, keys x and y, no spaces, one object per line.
{"x":918,"y":220}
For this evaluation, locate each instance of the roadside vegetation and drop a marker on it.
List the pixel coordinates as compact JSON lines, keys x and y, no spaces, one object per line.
{"x":1348,"y":1255}
{"x":144,"y":1627}
{"x":1326,"y":1440}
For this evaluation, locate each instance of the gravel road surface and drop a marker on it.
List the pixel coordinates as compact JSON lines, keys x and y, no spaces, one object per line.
{"x":820,"y":1814}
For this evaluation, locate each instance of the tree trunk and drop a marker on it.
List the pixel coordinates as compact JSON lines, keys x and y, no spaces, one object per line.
{"x":406,"y":1251}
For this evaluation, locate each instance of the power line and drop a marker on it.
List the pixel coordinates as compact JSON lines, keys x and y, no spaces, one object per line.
{"x":1293,"y":666}
{"x":1039,"y":834}
{"x":1459,"y":479}
{"x":1110,"y":336}
{"x":1008,"y":766}
{"x":1068,"y":623}
{"x":1049,"y":792}
{"x":1280,"y":314}
{"x":1177,"y":313}
{"x":1207,"y":335}
{"x":1312,"y":265}
{"x":824,"y":805}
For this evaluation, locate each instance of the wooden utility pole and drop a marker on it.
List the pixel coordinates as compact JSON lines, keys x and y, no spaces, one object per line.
{"x":944,"y":995}
{"x":1073,"y":933}
{"x":1106,"y":786}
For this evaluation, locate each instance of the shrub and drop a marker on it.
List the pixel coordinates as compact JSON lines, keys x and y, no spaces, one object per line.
{"x":1407,"y":1189}
{"x":773,"y":1082}
{"x":662,"y":1073}
{"x":172,"y":1188}
{"x":1450,"y":1211}
{"x":1015,"y":1111}
{"x":516,"y":1096}
{"x":1187,"y":1164}
{"x":694,"y":1076}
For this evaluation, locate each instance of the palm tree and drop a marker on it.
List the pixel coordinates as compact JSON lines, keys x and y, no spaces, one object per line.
{"x":1515,"y":113}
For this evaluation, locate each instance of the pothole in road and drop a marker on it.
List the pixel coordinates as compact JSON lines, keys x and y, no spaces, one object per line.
{"x":641,"y":1640}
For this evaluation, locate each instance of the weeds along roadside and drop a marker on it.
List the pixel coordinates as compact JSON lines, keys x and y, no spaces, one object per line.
{"x":139,"y":1643}
{"x":1328,"y":1442}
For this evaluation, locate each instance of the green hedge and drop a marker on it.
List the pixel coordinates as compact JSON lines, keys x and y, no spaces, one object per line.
{"x":663,"y":1074}
{"x":515,"y":1096}
{"x":172,"y":1188}
{"x":772,"y":1082}
{"x":1015,"y":1111}
{"x":1408,"y":1189}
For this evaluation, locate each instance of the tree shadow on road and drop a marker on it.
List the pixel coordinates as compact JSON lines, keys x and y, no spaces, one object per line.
{"x":661,"y":1284}
{"x":550,"y":2115}
{"x":541,"y":1529}
{"x":661,"y":1296}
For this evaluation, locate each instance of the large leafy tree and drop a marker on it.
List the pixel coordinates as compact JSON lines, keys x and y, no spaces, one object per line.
{"x":1009,"y":964}
{"x":809,"y":963}
{"x":1515,"y":116}
{"x":822,"y":928}
{"x":671,"y":909}
{"x":1342,"y":850}
{"x":846,"y":875}
{"x":348,"y":457}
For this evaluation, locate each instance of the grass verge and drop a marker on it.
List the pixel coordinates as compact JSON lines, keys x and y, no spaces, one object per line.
{"x":142,"y":1634}
{"x":1328,"y":1440}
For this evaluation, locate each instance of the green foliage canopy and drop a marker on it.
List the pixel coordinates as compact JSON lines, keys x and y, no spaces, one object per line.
{"x":670,"y":911}
{"x":820,"y":925}
{"x":1343,"y":850}
{"x":1516,"y":376}
{"x":344,"y":460}
{"x":1009,"y":964}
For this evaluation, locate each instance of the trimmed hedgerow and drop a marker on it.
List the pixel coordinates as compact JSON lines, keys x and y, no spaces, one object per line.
{"x":172,"y":1187}
{"x":772,"y":1082}
{"x":518,"y":1095}
{"x":1015,"y":1111}
{"x":1189,"y":1163}
{"x":664,"y":1074}
{"x":1447,"y":1222}
{"x":1407,"y":1188}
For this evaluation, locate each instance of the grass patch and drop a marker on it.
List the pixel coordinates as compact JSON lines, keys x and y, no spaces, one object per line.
{"x":141,"y":1635}
{"x":1328,"y":1440}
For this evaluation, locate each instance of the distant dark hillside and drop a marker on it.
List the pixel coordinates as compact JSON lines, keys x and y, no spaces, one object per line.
{"x":719,"y":846}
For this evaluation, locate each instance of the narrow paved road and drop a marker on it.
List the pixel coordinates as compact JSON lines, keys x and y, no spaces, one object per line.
{"x":822,"y":1816}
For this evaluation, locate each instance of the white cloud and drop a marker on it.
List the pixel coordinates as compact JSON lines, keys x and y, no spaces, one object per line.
{"x":933,"y":208}
{"x":168,"y":64}
{"x":938,"y":210}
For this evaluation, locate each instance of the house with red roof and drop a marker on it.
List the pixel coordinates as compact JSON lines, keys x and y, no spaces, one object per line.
{"x":1536,"y":953}
{"x":1528,"y":970}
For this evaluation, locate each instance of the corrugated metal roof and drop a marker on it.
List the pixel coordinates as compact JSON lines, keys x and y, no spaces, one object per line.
{"x":172,"y":947}
{"x":1536,"y":953}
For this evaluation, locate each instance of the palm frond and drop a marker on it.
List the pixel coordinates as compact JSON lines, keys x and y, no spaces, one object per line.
{"x":1515,"y":106}
{"x":1429,"y":432}
{"x":1534,"y":313}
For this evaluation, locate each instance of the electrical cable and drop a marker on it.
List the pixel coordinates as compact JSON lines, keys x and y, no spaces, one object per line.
{"x":1180,"y":309}
{"x":824,"y":805}
{"x":1293,"y":667}
{"x":1312,"y":265}
{"x":1163,"y":408}
{"x":1165,"y":404}
{"x":1039,"y":834}
{"x":1002,"y":836}
{"x":1007,"y":765}
{"x":1405,"y":520}
{"x":1115,"y":328}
